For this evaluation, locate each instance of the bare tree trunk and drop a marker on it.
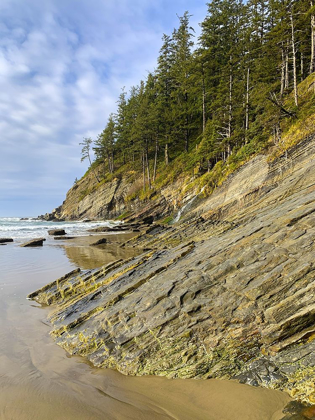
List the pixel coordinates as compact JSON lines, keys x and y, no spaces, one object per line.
{"x":247,"y":105}
{"x":204,"y":110}
{"x":147,"y":165}
{"x":155,"y":158}
{"x":296,"y":99}
{"x":229,"y":134}
{"x":143,"y":169}
{"x":312,"y":65}
{"x":230,"y":104}
{"x":95,"y":174}
{"x":286,"y":79}
{"x":186,"y":136}
{"x":302,"y":67}
{"x":112,"y":159}
{"x":166,"y":155}
{"x":283,"y":71}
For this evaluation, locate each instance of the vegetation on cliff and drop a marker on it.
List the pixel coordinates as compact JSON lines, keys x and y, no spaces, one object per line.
{"x":210,"y":105}
{"x":229,"y":293}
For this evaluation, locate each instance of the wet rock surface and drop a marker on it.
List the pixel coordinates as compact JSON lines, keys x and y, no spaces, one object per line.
{"x":229,"y":293}
{"x":34,"y":242}
{"x":62,"y":238}
{"x":56,"y":232}
{"x":101,"y":241}
{"x":5,"y":240}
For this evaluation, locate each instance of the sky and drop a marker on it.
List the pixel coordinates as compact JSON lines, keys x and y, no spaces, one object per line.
{"x":63,"y":64}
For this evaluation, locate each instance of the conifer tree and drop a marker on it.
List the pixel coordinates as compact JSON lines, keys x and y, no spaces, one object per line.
{"x":182,"y":68}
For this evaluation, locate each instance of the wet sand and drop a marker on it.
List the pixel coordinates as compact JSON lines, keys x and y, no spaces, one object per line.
{"x":38,"y":380}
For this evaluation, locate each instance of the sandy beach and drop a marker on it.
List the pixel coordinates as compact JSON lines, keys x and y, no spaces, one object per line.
{"x":38,"y":380}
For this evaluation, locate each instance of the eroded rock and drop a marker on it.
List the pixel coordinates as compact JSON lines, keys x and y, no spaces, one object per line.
{"x":5,"y":240}
{"x":34,"y":242}
{"x":56,"y":232}
{"x":62,"y":238}
{"x":229,"y":293}
{"x":101,"y":241}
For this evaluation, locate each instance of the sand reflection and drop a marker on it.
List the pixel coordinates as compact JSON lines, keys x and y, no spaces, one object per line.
{"x":39,"y":381}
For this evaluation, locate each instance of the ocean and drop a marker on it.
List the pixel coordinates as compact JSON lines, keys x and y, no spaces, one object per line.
{"x":18,"y":229}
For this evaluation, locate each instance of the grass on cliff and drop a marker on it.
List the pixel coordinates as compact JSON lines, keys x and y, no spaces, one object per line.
{"x":188,"y":169}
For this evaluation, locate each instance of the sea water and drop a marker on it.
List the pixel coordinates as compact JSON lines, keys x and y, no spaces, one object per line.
{"x":19,"y":229}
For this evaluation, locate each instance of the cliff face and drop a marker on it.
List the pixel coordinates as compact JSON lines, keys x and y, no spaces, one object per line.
{"x":227,"y":293}
{"x":89,"y":200}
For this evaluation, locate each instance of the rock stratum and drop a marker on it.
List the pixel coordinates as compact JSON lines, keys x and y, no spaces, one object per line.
{"x":227,"y":293}
{"x":89,"y":200}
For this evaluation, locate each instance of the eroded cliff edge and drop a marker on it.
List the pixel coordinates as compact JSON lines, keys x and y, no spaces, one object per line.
{"x":227,"y":293}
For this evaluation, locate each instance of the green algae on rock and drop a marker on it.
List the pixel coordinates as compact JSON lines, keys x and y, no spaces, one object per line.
{"x":229,"y":293}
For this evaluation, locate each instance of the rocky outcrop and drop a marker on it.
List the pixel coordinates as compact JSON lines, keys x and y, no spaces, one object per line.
{"x":33,"y":243}
{"x":56,"y":232}
{"x":5,"y":240}
{"x":88,"y":200}
{"x":228,"y":293}
{"x":101,"y":241}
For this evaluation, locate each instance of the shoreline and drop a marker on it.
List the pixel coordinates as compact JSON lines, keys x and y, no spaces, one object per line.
{"x":227,"y":400}
{"x":198,"y":399}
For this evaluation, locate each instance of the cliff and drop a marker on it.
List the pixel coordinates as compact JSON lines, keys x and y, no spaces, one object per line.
{"x":88,"y":199}
{"x":228,"y":293}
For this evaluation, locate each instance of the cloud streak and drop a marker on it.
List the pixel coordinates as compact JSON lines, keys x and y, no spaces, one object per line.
{"x":62,"y":66}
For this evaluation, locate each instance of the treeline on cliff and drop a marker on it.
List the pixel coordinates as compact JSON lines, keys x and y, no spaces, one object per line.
{"x":215,"y":98}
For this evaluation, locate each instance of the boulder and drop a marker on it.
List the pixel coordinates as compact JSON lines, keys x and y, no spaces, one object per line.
{"x":56,"y":232}
{"x":5,"y":240}
{"x":34,"y":242}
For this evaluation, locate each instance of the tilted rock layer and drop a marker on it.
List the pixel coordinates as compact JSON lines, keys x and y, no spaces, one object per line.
{"x":227,"y":293}
{"x":88,"y":199}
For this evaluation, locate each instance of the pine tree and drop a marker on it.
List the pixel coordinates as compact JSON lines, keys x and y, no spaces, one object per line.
{"x":105,"y":144}
{"x":181,"y":71}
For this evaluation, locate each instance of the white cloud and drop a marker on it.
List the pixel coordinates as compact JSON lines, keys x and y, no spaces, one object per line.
{"x":62,"y":67}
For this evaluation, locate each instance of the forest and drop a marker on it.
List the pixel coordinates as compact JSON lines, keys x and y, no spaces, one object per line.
{"x":214,"y":100}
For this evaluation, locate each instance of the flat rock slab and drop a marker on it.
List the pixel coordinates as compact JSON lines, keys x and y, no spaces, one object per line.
{"x":104,"y":229}
{"x":99,"y":242}
{"x":34,"y":242}
{"x":61,"y":238}
{"x":56,"y":232}
{"x":5,"y":240}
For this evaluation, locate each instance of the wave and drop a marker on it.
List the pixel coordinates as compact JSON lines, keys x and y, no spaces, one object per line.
{"x":23,"y":229}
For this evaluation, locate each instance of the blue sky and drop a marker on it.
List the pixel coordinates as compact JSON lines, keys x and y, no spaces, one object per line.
{"x":62,"y":66}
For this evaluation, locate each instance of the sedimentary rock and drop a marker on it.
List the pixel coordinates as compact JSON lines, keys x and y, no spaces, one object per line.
{"x":62,"y":238}
{"x":101,"y":241}
{"x":231,"y":295}
{"x":5,"y":240}
{"x":34,"y":242}
{"x":56,"y":232}
{"x":105,"y":229}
